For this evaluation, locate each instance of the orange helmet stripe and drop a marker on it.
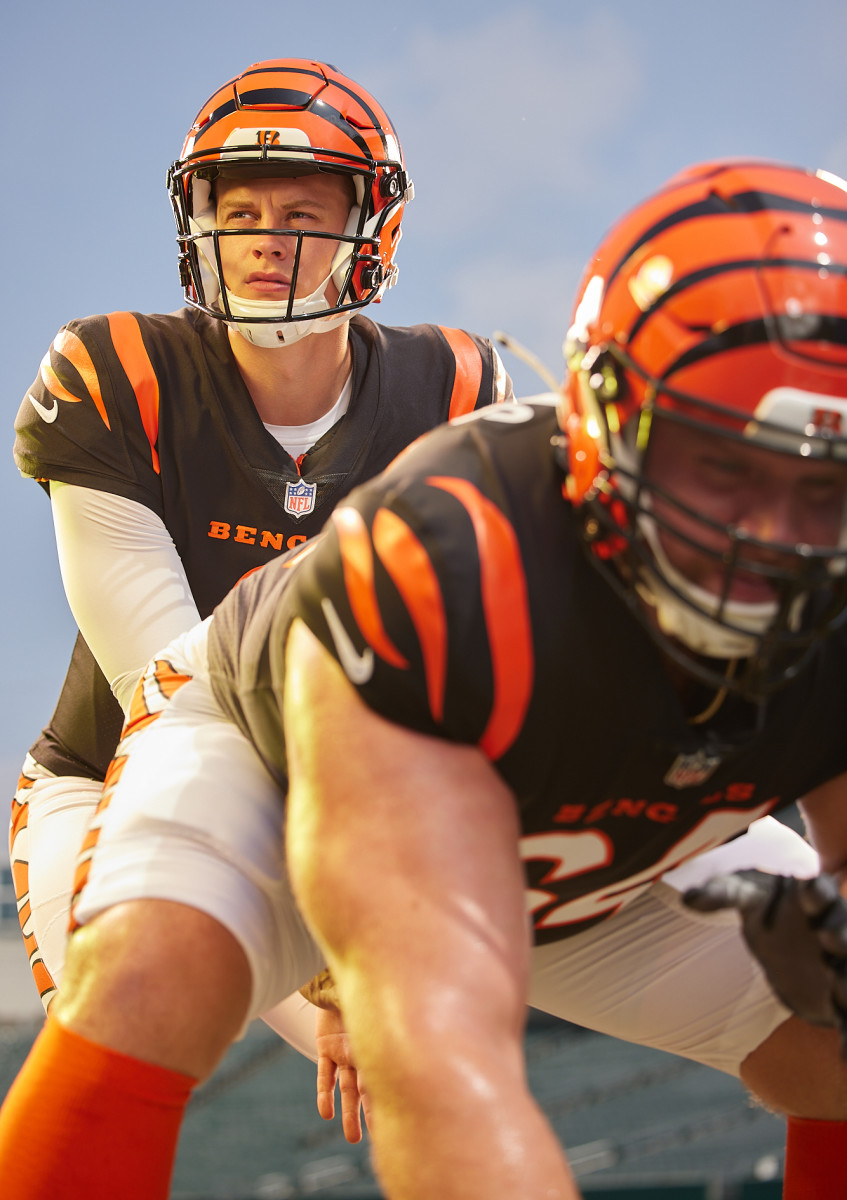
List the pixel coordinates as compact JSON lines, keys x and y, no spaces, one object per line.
{"x":238,"y":96}
{"x":728,"y":206}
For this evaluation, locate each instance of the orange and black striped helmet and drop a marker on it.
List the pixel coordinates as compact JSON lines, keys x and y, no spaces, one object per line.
{"x":292,"y":117}
{"x":720,"y":303}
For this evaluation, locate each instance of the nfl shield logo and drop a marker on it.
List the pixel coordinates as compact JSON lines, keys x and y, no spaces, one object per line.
{"x":300,"y":498}
{"x":689,"y":770}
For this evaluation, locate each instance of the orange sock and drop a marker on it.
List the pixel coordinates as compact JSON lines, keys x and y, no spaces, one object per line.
{"x":86,"y":1123}
{"x":815,"y":1160}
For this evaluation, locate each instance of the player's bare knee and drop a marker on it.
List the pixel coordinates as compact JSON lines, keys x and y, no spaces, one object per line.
{"x":159,"y":981}
{"x":799,"y":1070}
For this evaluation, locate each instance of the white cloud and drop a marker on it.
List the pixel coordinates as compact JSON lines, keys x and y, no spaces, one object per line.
{"x":506,"y":127}
{"x":509,"y":116}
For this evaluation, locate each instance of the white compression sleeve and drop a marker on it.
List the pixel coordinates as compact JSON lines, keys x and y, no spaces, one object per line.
{"x":124,"y":580}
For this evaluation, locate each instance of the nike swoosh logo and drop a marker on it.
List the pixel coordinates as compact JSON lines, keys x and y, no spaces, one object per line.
{"x":357,"y":667}
{"x":47,"y":414}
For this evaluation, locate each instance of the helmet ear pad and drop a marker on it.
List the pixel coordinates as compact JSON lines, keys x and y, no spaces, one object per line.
{"x":583,"y":457}
{"x":595,"y":385}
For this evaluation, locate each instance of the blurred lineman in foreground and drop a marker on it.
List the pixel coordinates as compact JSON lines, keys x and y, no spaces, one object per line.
{"x":539,"y":666}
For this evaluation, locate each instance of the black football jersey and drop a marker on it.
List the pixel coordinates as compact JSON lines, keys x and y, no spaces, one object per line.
{"x":458,"y":596}
{"x":153,"y":408}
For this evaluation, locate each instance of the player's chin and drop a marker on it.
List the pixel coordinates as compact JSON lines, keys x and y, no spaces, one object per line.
{"x":752,"y":595}
{"x":744,"y":587}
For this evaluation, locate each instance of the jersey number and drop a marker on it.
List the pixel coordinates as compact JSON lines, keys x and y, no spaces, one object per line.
{"x":589,"y":850}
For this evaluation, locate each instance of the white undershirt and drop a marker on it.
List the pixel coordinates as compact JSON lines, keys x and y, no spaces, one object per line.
{"x":297,"y":439}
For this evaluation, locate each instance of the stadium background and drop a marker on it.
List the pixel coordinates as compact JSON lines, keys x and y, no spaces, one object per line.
{"x":527,"y":127}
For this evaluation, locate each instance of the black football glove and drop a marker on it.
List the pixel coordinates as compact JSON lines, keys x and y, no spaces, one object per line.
{"x":797,"y":930}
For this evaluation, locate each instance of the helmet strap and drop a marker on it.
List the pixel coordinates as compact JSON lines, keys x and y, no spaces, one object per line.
{"x":717,"y":700}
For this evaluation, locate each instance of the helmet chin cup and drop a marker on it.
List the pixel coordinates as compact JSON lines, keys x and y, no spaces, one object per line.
{"x":271,"y":334}
{"x":694,"y":616}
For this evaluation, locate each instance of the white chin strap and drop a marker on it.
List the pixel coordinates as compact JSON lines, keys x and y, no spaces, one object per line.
{"x":691,"y":616}
{"x":270,"y":334}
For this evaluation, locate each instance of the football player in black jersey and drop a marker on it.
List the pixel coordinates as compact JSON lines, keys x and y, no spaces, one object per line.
{"x":519,"y":694}
{"x":181,"y":451}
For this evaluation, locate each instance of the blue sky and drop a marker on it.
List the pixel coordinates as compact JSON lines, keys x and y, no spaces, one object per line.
{"x":527,"y":129}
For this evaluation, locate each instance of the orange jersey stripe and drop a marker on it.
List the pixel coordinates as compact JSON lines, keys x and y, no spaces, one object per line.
{"x":468,"y":371}
{"x":20,"y":867}
{"x":113,"y":774}
{"x":413,"y":574}
{"x":129,"y":346}
{"x":358,"y":566}
{"x":506,"y":607}
{"x":155,"y":687}
{"x":158,"y":683}
{"x":292,"y":562}
{"x":19,"y":858}
{"x":70,"y":347}
{"x":92,"y":836}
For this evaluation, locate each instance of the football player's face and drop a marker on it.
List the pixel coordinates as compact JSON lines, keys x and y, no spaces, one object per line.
{"x":260,"y":265}
{"x":775,"y":498}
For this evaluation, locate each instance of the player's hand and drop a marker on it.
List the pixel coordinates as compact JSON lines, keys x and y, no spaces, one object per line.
{"x":321,"y":990}
{"x":797,"y":930}
{"x":335,"y":1065}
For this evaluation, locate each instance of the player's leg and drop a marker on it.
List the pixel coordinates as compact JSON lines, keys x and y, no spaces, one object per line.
{"x":403,"y":852}
{"x":816,"y":1147}
{"x":58,"y":1132}
{"x":185,"y":935}
{"x":799,"y":1070}
{"x":658,"y":974}
{"x":661,"y":975}
{"x":50,"y":818}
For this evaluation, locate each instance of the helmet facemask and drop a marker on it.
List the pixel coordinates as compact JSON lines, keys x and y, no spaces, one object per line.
{"x":717,"y":309}
{"x":632,"y":522}
{"x":269,"y":323}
